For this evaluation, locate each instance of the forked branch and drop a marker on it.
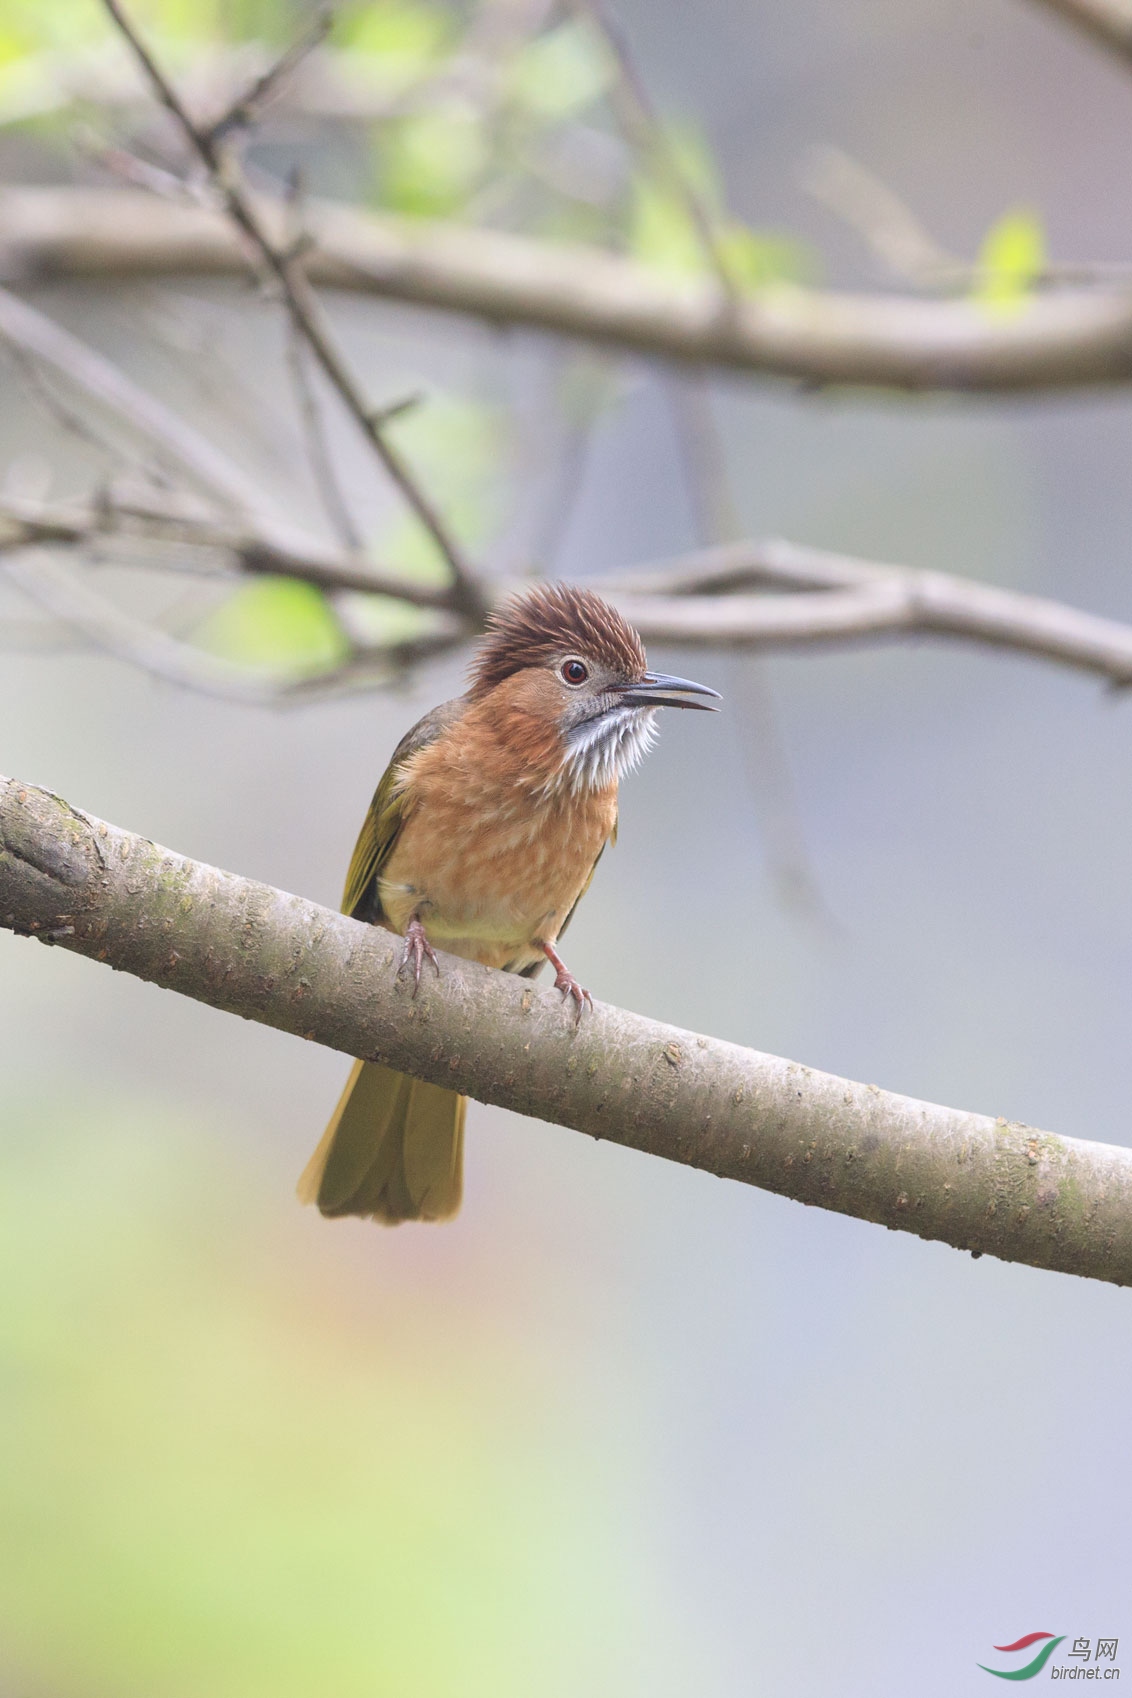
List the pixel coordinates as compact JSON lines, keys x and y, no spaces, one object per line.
{"x":286,"y":268}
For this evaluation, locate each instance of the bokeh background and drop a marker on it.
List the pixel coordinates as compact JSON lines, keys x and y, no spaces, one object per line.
{"x":621,"y":1428}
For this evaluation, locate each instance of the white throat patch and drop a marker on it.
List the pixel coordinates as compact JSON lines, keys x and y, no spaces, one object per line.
{"x":602,"y":750}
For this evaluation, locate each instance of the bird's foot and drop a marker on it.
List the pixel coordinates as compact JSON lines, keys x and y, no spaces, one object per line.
{"x":565,"y":981}
{"x":416,"y":948}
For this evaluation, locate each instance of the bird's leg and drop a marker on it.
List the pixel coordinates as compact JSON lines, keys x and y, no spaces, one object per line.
{"x":416,"y":948}
{"x":565,"y":980}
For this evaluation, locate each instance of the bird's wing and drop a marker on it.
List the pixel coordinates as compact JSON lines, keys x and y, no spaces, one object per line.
{"x":387,"y":813}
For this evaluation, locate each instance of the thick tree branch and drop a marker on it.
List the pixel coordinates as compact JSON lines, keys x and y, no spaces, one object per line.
{"x":1069,"y":338}
{"x":983,"y":1185}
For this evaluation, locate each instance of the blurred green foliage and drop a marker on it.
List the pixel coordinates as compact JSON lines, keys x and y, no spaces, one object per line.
{"x":662,"y":228}
{"x":66,"y":25}
{"x":1011,"y":260}
{"x":405,"y":37}
{"x":454,"y":131}
{"x":276,"y":623}
{"x":562,"y":73}
{"x":234,"y":1463}
{"x":457,"y":447}
{"x":452,"y":143}
{"x":431,"y":161}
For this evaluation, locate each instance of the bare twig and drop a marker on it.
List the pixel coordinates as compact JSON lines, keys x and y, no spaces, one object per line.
{"x":329,"y":85}
{"x":245,"y":110}
{"x":761,"y":741}
{"x":334,"y":503}
{"x":555,"y":417}
{"x":1061,"y":339}
{"x":68,"y":599}
{"x":989,"y":1186}
{"x":644,"y":132}
{"x":699,"y":602}
{"x":890,"y":228}
{"x":72,"y":423}
{"x":73,"y":603}
{"x":275,"y":551}
{"x":715,"y":598}
{"x":148,"y":419}
{"x":905,"y":248}
{"x":302,"y":307}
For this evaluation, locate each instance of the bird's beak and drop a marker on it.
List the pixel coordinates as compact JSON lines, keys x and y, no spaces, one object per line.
{"x":659,"y":689}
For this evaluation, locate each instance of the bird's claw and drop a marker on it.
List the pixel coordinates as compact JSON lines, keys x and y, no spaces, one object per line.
{"x":565,"y":981}
{"x":569,"y":986}
{"x":416,"y":948}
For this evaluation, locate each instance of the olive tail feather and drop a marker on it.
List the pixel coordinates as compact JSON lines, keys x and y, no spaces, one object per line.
{"x":393,"y":1151}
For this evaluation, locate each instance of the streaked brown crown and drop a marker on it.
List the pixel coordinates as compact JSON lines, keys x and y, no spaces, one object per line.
{"x":549,"y":621}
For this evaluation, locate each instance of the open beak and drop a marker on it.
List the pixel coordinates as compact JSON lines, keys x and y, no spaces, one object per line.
{"x":658,"y":689}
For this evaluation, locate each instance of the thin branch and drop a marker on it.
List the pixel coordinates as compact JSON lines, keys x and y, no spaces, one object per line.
{"x":304,"y":312}
{"x":989,"y":1186}
{"x":68,"y":599}
{"x":329,"y":86}
{"x":148,"y":419}
{"x":247,"y":108}
{"x":900,"y":241}
{"x":860,"y":600}
{"x":319,"y":459}
{"x":643,"y":130}
{"x":891,"y":230}
{"x":277,"y":552}
{"x":555,"y":417}
{"x":106,"y":627}
{"x":762,"y":745}
{"x":97,"y":442}
{"x":715,"y":598}
{"x":1061,"y":339}
{"x":261,"y":543}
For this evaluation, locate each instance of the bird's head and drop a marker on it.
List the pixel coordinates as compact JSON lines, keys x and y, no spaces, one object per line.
{"x":563,"y":657}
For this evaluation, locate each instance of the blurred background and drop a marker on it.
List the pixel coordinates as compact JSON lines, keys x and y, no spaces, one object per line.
{"x":621,"y":1428}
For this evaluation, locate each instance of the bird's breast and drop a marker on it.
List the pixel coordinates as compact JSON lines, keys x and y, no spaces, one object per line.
{"x":492,"y":868}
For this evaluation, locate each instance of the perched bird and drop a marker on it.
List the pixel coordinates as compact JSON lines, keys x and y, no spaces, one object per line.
{"x":482,"y":837}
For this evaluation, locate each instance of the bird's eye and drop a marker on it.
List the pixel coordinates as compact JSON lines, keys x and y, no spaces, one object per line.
{"x":575,"y":671}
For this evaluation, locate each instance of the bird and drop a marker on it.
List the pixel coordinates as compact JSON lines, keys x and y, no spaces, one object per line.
{"x":481,"y":839}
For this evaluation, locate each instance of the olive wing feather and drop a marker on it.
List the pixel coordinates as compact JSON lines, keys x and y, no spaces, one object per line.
{"x":387,"y":814}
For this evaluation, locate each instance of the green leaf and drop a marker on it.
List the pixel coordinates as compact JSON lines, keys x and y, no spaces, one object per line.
{"x":405,"y":34}
{"x":431,"y":161}
{"x":561,"y":73}
{"x":276,"y":622}
{"x":456,"y":448}
{"x":1011,"y":259}
{"x":758,"y":259}
{"x":661,"y":233}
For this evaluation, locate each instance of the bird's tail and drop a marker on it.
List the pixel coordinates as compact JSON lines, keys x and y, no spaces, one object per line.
{"x":393,"y":1151}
